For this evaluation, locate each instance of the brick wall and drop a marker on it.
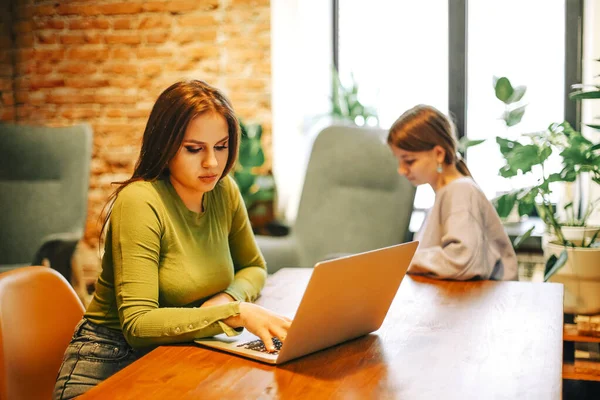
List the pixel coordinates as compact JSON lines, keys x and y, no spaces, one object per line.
{"x":105,"y":62}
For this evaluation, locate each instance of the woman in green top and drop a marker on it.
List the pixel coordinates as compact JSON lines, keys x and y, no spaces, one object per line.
{"x":180,"y":260}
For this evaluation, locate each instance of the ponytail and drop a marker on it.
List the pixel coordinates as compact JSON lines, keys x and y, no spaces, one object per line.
{"x":461,"y":166}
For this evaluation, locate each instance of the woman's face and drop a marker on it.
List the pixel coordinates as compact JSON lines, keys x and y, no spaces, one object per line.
{"x":202,"y":157}
{"x":419,"y":167}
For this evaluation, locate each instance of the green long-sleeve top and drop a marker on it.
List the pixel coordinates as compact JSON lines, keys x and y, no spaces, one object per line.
{"x":162,"y":261}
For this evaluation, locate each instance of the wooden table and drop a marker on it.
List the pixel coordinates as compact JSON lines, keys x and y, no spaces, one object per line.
{"x":440,"y":340}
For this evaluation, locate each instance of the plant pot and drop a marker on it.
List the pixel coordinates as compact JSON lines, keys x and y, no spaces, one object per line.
{"x":573,"y":234}
{"x":580,"y":277}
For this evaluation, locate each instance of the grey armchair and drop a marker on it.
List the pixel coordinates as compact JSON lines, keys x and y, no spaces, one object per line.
{"x":44,"y":180}
{"x":353,"y":200}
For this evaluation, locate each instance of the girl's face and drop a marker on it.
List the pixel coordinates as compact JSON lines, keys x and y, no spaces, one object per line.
{"x":201,"y":159}
{"x":421,"y":166}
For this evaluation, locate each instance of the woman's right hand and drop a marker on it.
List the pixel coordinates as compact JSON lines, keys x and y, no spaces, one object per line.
{"x":262,"y":322}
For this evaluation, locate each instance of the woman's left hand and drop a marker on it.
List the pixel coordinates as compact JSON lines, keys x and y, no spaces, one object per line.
{"x":218,"y":299}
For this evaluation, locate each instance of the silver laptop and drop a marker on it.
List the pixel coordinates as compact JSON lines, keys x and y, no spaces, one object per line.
{"x":345,"y":298}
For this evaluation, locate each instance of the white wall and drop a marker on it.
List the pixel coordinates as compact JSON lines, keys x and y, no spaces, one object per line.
{"x":301,"y":40}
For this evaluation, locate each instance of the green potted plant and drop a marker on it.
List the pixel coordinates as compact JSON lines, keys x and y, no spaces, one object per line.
{"x":256,"y":184}
{"x":571,"y":249}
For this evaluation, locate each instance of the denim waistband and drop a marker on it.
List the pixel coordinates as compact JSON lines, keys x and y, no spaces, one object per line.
{"x":86,"y":326}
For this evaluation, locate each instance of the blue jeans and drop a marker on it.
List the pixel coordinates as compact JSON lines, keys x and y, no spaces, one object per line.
{"x":94,"y":354}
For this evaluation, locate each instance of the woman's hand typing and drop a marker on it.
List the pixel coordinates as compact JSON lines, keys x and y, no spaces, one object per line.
{"x":262,"y":322}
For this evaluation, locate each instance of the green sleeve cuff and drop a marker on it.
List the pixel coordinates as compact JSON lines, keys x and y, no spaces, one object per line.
{"x":228,"y":330}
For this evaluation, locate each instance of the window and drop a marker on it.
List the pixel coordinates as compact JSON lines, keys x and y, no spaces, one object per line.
{"x":397,"y":52}
{"x":512,"y":38}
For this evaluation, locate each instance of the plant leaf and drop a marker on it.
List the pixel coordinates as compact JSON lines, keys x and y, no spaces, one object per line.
{"x":554,"y":264}
{"x":582,"y":95}
{"x":513,"y":117}
{"x":517,"y":95}
{"x":505,"y":203}
{"x":593,"y":239}
{"x":521,"y":238}
{"x":503,"y":89}
{"x":464,"y":143}
{"x":593,"y":126}
{"x":506,"y":145}
{"x":526,"y":207}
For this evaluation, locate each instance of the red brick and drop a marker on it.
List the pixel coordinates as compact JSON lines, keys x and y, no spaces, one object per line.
{"x":121,"y":69}
{"x":40,"y":83}
{"x":44,"y":68}
{"x":89,"y":23}
{"x":56,"y":24}
{"x":8,"y":98}
{"x":152,"y":69}
{"x":123,"y":39}
{"x":197,"y":21}
{"x":121,"y":53}
{"x":199,"y":53}
{"x":37,"y":98}
{"x":81,"y":83}
{"x":120,"y":8}
{"x":77,"y":68}
{"x":87,"y":54}
{"x":6,"y":85}
{"x":179,"y":6}
{"x":93,"y":38}
{"x":69,"y":98}
{"x":7,"y":115}
{"x":155,"y":21}
{"x":24,"y":68}
{"x":247,"y":84}
{"x":77,"y":9}
{"x":21,"y":96}
{"x":46,"y":38}
{"x":44,"y":11}
{"x":23,"y":111}
{"x":48,"y":54}
{"x":69,"y":39}
{"x":80,"y":113}
{"x":123,"y":82}
{"x":136,"y":113}
{"x":153,"y":52}
{"x":115,"y":113}
{"x":155,"y":6}
{"x":124,"y":23}
{"x":197,"y":36}
{"x":158,"y":37}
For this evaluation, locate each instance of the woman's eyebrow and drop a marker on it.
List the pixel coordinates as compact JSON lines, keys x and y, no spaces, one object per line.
{"x":194,"y":141}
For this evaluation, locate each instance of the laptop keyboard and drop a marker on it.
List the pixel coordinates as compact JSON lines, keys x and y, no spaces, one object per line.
{"x":258,"y":345}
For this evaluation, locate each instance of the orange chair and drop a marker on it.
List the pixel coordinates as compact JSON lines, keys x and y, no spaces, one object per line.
{"x":38,"y":314}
